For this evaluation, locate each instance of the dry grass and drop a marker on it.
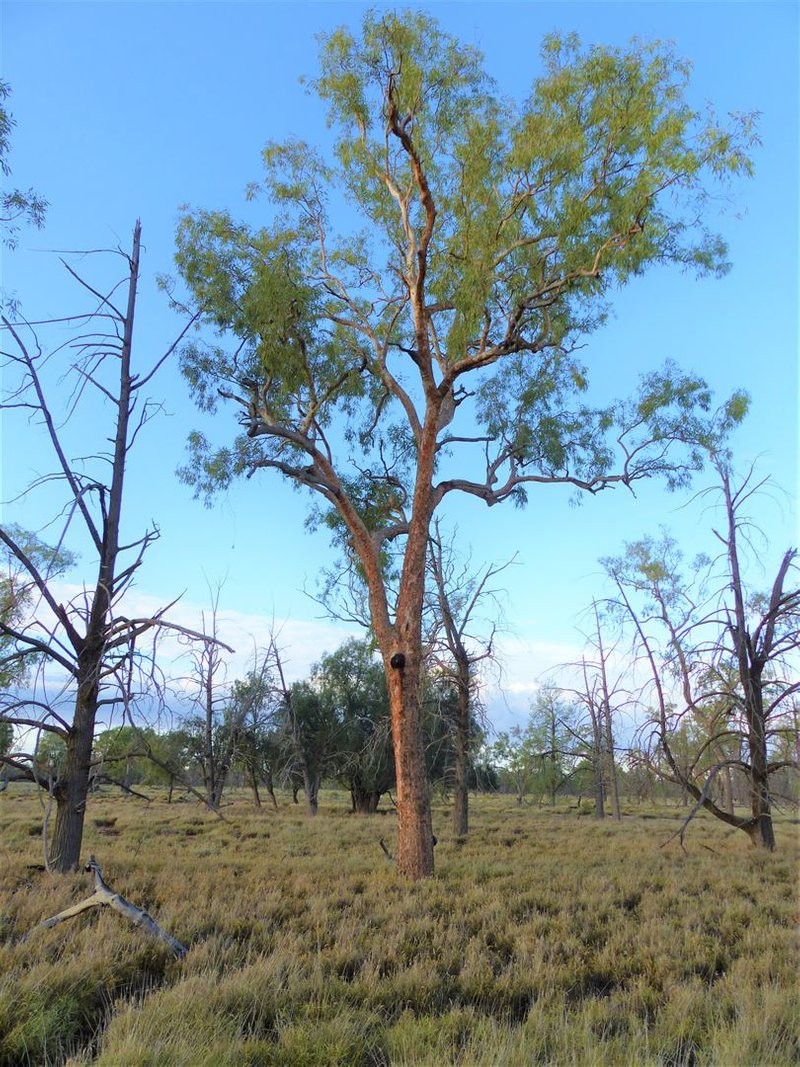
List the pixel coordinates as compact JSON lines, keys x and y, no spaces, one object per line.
{"x":544,"y":939}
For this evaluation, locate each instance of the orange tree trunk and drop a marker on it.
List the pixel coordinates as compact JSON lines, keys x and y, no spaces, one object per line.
{"x":414,"y":823}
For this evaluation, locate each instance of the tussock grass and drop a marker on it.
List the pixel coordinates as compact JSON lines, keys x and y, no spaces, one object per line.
{"x":544,"y":939}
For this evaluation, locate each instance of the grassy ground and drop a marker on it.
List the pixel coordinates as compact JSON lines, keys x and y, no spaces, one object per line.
{"x":544,"y":939}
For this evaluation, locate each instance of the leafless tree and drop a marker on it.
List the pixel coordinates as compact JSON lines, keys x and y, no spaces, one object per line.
{"x":718,"y":649}
{"x":461,"y":640}
{"x":88,"y":650}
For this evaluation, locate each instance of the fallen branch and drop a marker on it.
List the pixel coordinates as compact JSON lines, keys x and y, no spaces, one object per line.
{"x":104,"y":895}
{"x":388,"y":854}
{"x":386,"y":851}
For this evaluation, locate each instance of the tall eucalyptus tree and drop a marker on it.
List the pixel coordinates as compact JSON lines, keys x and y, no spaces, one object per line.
{"x":433,"y":350}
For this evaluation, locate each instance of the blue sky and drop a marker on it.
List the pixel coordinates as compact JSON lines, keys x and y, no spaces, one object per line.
{"x":129,"y":110}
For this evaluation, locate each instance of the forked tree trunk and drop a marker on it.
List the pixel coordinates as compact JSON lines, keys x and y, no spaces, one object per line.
{"x":401,"y":647}
{"x":364,"y":801}
{"x":269,"y":783}
{"x":726,"y":788}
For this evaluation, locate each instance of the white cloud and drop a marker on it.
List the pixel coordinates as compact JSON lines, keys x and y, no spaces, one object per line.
{"x":524,"y":662}
{"x":302,"y":642}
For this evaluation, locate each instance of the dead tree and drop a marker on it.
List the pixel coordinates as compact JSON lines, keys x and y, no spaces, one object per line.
{"x":460,"y":641}
{"x":91,"y":641}
{"x":719,"y":648}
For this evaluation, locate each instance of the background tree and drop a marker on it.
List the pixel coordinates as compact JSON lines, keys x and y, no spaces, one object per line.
{"x":91,"y":644}
{"x":228,"y":717}
{"x":169,"y":757}
{"x":514,"y":755}
{"x":204,"y":723}
{"x":550,"y":739}
{"x":434,"y":351}
{"x":600,"y":696}
{"x":461,"y":642}
{"x":18,"y":594}
{"x":718,"y":655}
{"x":120,"y":755}
{"x":311,"y":729}
{"x":351,"y":682}
{"x":258,"y":751}
{"x":308,"y":727}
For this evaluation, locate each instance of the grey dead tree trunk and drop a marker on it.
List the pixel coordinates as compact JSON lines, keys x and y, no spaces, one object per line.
{"x":758,"y":643}
{"x":605,"y":715}
{"x":300,"y":764}
{"x":594,"y":709}
{"x":90,"y":640}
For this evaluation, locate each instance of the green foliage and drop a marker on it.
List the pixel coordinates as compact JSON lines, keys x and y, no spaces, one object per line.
{"x":538,"y":759}
{"x":123,"y":753}
{"x":51,"y":754}
{"x":519,"y":219}
{"x":352,"y":681}
{"x":15,"y":204}
{"x":515,"y":756}
{"x":17,"y":590}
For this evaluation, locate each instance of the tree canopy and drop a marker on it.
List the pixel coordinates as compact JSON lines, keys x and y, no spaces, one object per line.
{"x":407,"y":323}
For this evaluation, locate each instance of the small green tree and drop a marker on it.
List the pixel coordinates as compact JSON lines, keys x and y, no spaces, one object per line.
{"x":516,"y":759}
{"x":120,"y":754}
{"x":311,"y":730}
{"x":352,"y":683}
{"x":434,"y":351}
{"x":550,"y":738}
{"x":51,"y":756}
{"x":168,"y":759}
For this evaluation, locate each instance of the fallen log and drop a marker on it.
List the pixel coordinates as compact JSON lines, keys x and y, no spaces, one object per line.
{"x":104,"y":895}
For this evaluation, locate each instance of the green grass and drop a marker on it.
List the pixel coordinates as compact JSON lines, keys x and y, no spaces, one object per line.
{"x":543,"y":939}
